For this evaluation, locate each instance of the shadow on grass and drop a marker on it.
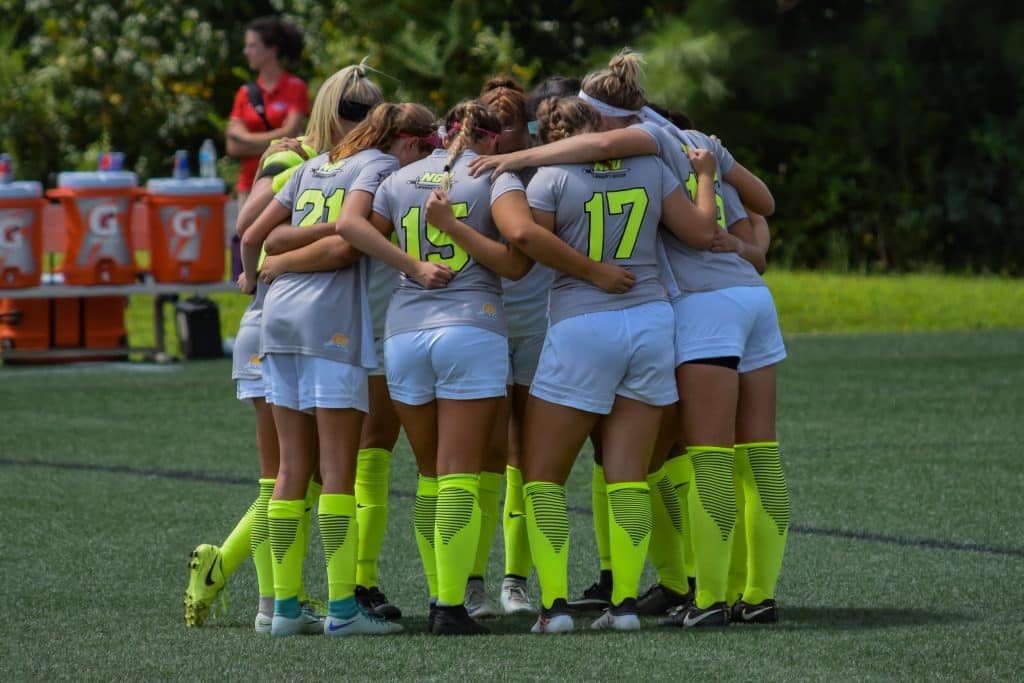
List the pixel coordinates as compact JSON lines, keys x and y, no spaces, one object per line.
{"x":826,"y":618}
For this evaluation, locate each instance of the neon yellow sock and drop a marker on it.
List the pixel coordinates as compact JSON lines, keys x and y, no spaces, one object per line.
{"x":547,"y":525}
{"x":599,"y":504}
{"x":285,"y":518}
{"x":340,"y":533}
{"x":423,"y":515}
{"x":667,"y":547}
{"x":313,"y":490}
{"x":680,"y":472}
{"x":738,"y":555}
{"x":490,"y":504}
{"x":767,"y":519}
{"x":235,"y":548}
{"x":712,"y":502}
{"x":259,"y":540}
{"x":372,"y":470}
{"x":456,"y":534}
{"x":517,"y":544}
{"x":629,"y":533}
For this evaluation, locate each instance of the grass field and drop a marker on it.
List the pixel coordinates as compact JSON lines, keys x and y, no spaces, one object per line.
{"x":808,"y":303}
{"x":905,"y":559}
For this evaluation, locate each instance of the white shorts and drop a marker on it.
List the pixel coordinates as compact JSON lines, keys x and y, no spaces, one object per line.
{"x":460,"y":362}
{"x":307,"y":382}
{"x":523,"y":356}
{"x":736,"y":321}
{"x":248,"y":389}
{"x":590,"y":359}
{"x":378,"y":348}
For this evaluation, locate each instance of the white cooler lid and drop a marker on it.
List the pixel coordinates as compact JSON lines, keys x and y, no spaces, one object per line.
{"x":175,"y":187}
{"x":21,"y":189}
{"x":97,"y":179}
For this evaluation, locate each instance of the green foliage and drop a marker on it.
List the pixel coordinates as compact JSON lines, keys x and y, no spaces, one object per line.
{"x":891,"y":133}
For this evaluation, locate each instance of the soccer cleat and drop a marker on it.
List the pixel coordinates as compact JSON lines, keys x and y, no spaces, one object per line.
{"x":764,"y":612}
{"x":554,"y":620}
{"x":431,"y":616}
{"x":513,"y":596}
{"x":660,"y":599}
{"x":306,"y":624}
{"x":617,"y":619}
{"x":363,"y":623}
{"x":454,"y":620}
{"x":478,"y":605}
{"x":692,"y":616}
{"x":597,"y":597}
{"x":263,"y":623}
{"x":205,"y":582}
{"x":374,"y":600}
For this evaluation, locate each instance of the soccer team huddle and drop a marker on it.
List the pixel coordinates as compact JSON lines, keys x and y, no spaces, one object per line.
{"x":530,"y":272}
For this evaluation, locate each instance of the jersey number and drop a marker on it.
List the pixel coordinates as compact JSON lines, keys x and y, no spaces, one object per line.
{"x":451,"y":254}
{"x":317,"y":200}
{"x":691,"y":189}
{"x":617,"y":201}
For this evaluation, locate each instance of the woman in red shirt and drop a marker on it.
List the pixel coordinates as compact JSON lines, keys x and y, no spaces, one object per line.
{"x":268,"y":40}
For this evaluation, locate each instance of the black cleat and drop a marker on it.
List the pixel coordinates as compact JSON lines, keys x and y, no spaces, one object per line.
{"x":431,"y":617}
{"x":594,"y":599}
{"x":454,"y":620}
{"x":765,"y":612}
{"x":660,"y":599}
{"x":692,"y":616}
{"x":373,"y":600}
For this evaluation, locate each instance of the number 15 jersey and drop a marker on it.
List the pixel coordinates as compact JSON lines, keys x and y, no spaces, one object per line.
{"x":473,"y":296}
{"x":609,"y":211}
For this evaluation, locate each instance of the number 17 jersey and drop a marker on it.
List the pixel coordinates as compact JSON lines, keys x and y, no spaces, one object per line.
{"x":610,"y":212}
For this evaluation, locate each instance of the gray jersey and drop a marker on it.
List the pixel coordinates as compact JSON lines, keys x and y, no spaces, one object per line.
{"x":695,"y":270}
{"x":473,"y":296}
{"x":383,"y":280}
{"x":246,"y":352}
{"x":526,"y":299}
{"x":609,"y":211}
{"x":325,"y":314}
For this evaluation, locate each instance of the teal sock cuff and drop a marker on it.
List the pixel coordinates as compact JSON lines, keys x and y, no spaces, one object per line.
{"x":288,"y":607}
{"x":344,"y":608}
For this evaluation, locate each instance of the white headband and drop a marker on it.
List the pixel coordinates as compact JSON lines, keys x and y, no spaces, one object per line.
{"x":645,"y":114}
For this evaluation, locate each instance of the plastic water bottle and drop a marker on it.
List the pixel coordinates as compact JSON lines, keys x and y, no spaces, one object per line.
{"x":6,"y":169}
{"x":180,"y":165}
{"x":208,"y":159}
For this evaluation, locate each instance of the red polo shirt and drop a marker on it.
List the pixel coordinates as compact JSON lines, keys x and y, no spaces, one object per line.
{"x":289,"y":94}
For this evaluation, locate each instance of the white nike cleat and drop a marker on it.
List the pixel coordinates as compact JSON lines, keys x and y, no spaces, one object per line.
{"x":263,"y":623}
{"x":513,"y":597}
{"x":362,"y":623}
{"x":628,"y":621}
{"x":554,"y":623}
{"x":478,"y":605}
{"x":307,"y":623}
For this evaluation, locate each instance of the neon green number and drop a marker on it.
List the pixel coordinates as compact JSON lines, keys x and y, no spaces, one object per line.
{"x":618,"y":200}
{"x":316,"y":199}
{"x":456,"y":258}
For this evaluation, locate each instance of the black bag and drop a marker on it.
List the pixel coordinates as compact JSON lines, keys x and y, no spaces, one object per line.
{"x":198,"y":323}
{"x":252,"y":88}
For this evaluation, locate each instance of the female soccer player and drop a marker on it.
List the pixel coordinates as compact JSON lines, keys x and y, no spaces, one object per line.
{"x":526,"y":302}
{"x":316,"y":342}
{"x":604,"y":355}
{"x":343,"y":100}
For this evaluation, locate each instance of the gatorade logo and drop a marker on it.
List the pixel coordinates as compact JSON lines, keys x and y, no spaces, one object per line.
{"x":103,"y":220}
{"x":184,"y":224}
{"x":10,"y":233}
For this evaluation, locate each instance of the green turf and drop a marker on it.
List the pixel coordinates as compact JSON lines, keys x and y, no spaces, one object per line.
{"x":912,"y":437}
{"x":808,"y":303}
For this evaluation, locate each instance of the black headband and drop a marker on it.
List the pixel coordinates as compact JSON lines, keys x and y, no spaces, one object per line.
{"x":353,"y":111}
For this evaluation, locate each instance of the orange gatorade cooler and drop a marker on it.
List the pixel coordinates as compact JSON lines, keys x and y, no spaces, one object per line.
{"x":21,"y":235}
{"x":186,"y":224}
{"x":98,"y":210}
